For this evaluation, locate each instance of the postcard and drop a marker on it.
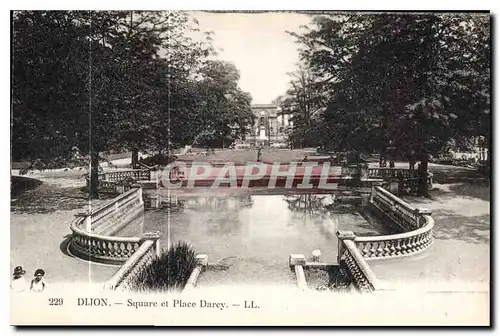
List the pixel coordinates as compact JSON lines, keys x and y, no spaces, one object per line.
{"x":250,"y":168}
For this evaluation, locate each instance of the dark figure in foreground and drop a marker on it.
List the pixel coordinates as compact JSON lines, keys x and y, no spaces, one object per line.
{"x":19,"y":283}
{"x":259,"y":154}
{"x":37,"y":284}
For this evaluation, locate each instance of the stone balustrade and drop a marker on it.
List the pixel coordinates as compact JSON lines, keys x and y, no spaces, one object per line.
{"x":107,"y":187}
{"x":404,"y":216}
{"x":105,"y":249}
{"x":126,"y":276}
{"x":136,"y":174}
{"x":389,"y":173}
{"x":110,"y":182}
{"x":92,"y":233}
{"x":392,"y":246}
{"x":408,"y":180}
{"x":415,"y":226}
{"x":114,"y":215}
{"x":351,"y":259}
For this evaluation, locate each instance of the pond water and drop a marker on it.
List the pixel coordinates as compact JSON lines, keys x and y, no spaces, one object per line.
{"x":249,"y":238}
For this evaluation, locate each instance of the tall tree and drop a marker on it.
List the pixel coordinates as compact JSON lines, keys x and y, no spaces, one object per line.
{"x":113,"y":80}
{"x":305,"y":103}
{"x":412,"y":82}
{"x":225,"y":109}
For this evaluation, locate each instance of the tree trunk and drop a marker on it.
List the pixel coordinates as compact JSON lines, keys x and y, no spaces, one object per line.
{"x":423,"y":188}
{"x":411,"y":161}
{"x":94,"y":175}
{"x":135,"y":157}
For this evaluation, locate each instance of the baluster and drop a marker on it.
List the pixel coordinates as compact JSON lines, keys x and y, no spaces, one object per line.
{"x":418,"y":243}
{"x":380,"y":250}
{"x":392,"y":247}
{"x":110,"y":249}
{"x":422,"y":241}
{"x":409,"y":245}
{"x":98,"y":248}
{"x":366,"y":250}
{"x":413,"y":244}
{"x":121,"y":249}
{"x":428,"y":238}
{"x":372,"y":250}
{"x":116,"y":250}
{"x":387,"y":251}
{"x":128,"y":249}
{"x":404,"y":246}
{"x":398,"y":247}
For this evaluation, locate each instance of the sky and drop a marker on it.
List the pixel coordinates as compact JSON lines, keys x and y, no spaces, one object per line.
{"x":259,"y":47}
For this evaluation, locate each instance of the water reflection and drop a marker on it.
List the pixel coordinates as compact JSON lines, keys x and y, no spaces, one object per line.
{"x":220,"y":203}
{"x":310,"y":204}
{"x":219,"y":214}
{"x":252,"y":236}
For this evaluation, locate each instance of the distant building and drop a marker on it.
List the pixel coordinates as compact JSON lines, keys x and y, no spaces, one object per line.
{"x":270,"y":127}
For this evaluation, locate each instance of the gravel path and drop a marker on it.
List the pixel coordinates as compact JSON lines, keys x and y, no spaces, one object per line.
{"x":459,"y":259}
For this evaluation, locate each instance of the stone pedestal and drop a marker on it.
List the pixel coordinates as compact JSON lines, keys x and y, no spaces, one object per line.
{"x":201,"y":259}
{"x":153,"y":201}
{"x":297,"y":259}
{"x":341,"y":236}
{"x":394,"y":187}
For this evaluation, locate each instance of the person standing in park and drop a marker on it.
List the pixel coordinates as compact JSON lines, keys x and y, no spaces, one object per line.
{"x":411,"y":160}
{"x":259,"y":153}
{"x":37,"y":284}
{"x":19,"y":283}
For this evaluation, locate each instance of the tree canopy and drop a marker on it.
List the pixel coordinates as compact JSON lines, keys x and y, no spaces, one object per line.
{"x":412,"y":81}
{"x":118,"y":80}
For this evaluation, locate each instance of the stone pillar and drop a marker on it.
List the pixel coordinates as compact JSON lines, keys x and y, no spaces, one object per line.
{"x":202,"y":260}
{"x":373,"y":194}
{"x":156,"y":237}
{"x":341,"y":236}
{"x":394,"y":187}
{"x":297,"y":259}
{"x":154,"y":201}
{"x":422,"y":212}
{"x":365,"y":199}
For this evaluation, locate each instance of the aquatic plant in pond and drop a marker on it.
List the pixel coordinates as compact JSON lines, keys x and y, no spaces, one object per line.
{"x":169,"y":271}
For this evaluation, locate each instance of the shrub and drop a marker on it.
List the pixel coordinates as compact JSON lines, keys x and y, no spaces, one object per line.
{"x":158,"y":159}
{"x":169,"y":271}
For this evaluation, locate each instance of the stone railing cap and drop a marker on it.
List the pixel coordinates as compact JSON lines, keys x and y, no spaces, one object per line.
{"x":345,"y":234}
{"x":424,"y":211}
{"x":297,"y":259}
{"x":202,"y":259}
